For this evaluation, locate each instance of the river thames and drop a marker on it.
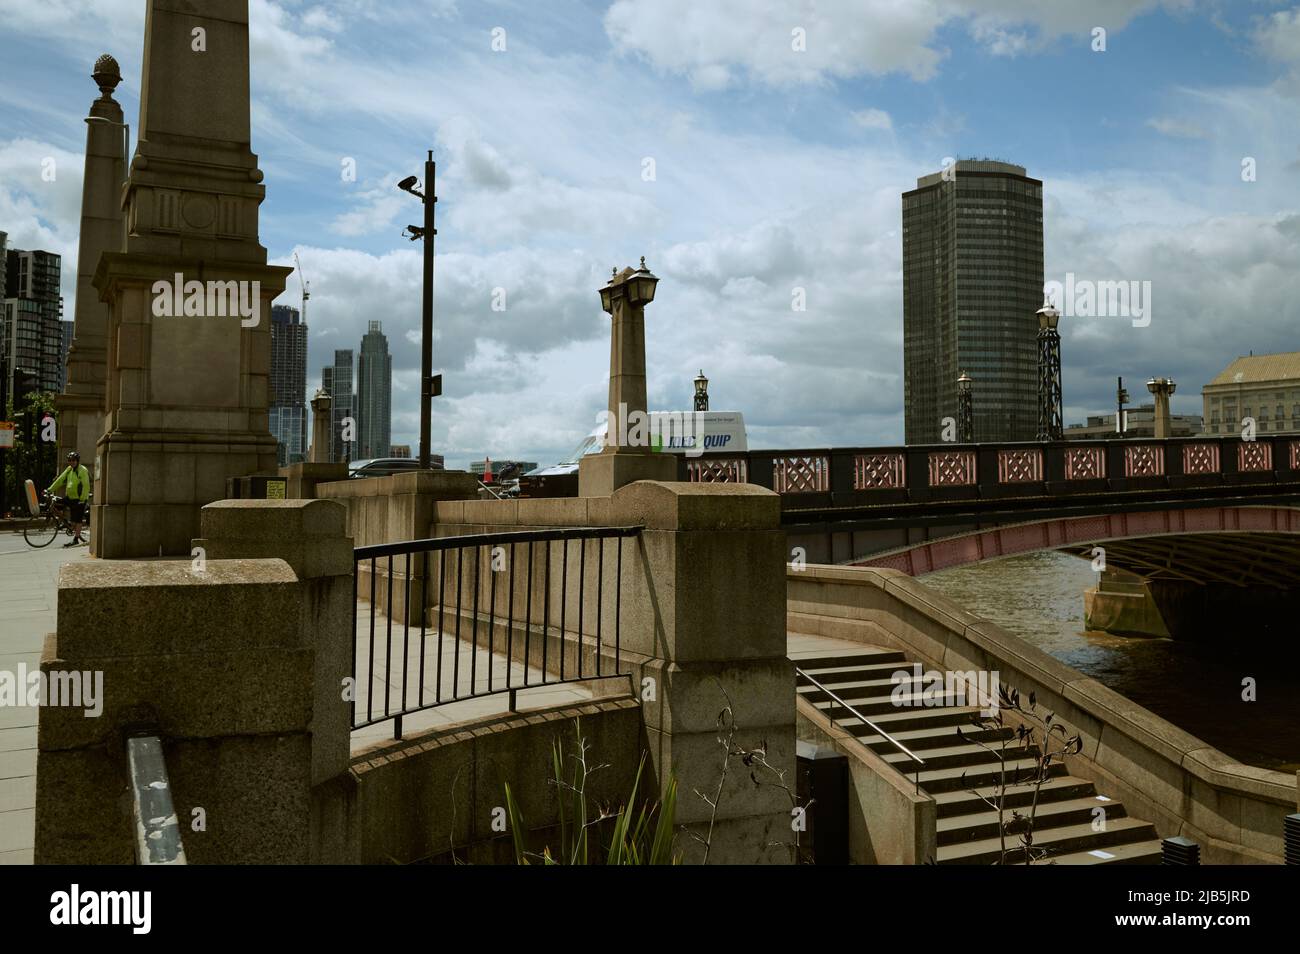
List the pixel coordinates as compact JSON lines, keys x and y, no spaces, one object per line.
{"x":1196,"y":684}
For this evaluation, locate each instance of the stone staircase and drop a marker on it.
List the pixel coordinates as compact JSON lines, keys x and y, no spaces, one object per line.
{"x":956,"y":770}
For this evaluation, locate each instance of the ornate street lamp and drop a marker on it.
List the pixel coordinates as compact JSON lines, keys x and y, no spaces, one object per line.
{"x":1049,"y":373}
{"x":701,"y":392}
{"x":965,"y":409}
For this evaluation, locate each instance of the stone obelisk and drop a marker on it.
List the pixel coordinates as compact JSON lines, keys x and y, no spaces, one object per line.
{"x":189,"y":295}
{"x":81,"y":405}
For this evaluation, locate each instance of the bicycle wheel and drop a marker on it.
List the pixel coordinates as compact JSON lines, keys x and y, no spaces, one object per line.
{"x":42,"y":534}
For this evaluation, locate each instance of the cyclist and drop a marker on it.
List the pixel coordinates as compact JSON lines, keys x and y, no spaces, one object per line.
{"x":75,"y":481}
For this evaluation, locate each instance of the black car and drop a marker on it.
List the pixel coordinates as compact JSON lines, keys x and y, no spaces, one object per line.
{"x":382,"y":466}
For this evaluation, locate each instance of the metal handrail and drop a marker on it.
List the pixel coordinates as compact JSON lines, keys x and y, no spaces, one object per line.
{"x":433,"y":544}
{"x":157,"y":829}
{"x":871,"y":725}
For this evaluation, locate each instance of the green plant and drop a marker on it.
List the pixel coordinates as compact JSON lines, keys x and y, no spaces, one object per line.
{"x":1035,"y":732}
{"x":638,"y":835}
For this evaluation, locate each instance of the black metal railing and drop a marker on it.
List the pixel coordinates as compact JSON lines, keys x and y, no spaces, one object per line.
{"x":438,"y":568}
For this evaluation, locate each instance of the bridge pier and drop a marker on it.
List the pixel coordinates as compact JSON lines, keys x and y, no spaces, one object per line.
{"x":1209,"y":610}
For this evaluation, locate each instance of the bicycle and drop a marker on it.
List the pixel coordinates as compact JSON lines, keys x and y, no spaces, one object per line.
{"x":53,"y":520}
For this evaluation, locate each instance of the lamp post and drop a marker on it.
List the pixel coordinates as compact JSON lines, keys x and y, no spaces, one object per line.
{"x":965,"y":409}
{"x":1162,"y":389}
{"x":1049,"y":373}
{"x":430,"y":386}
{"x":627,"y":455}
{"x":1121,"y":398}
{"x":701,"y":392}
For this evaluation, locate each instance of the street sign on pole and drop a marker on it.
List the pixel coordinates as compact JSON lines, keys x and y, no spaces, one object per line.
{"x":6,"y":434}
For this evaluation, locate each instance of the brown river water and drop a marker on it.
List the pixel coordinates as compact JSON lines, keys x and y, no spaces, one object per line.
{"x":1195,"y":684}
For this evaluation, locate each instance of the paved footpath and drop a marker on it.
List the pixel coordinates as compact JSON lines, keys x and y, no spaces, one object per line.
{"x":28,"y":599}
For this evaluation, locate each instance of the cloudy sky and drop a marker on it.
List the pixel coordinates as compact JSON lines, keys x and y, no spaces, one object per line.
{"x":700,"y":135}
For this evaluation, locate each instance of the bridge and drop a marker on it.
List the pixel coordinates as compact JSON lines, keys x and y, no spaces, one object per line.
{"x":842,"y":505}
{"x":1207,"y":525}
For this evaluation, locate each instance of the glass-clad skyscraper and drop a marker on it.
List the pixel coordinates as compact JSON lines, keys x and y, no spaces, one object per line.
{"x":288,"y":412}
{"x":972,"y":283}
{"x":374,"y":394}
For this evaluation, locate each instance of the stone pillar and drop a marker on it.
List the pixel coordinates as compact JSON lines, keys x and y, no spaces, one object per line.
{"x":310,"y":536}
{"x":320,"y":427}
{"x":704,"y":616}
{"x":627,"y":455}
{"x":1162,"y":388}
{"x":189,"y":297}
{"x":236,"y":664}
{"x":81,"y":405}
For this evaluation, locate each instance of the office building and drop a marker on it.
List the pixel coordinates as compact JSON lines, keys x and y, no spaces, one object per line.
{"x":288,"y":411}
{"x":31,"y":319}
{"x":336,"y":381}
{"x":374,"y":394}
{"x":1139,"y":422}
{"x":972,"y":283}
{"x":1265,"y":387}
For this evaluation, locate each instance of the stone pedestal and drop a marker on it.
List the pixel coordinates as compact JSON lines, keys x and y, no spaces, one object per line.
{"x":705,"y":608}
{"x":599,"y":475}
{"x":236,"y":662}
{"x":320,"y":428}
{"x":303,"y":478}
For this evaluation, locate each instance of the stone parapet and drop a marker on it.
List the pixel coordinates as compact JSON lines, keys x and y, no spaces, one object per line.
{"x":701,"y":621}
{"x":237,"y":660}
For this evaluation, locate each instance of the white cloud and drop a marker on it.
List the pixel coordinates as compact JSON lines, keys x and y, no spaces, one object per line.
{"x":873,"y":119}
{"x":725,"y":42}
{"x":1178,"y":128}
{"x":539,"y":162}
{"x":714,"y":43}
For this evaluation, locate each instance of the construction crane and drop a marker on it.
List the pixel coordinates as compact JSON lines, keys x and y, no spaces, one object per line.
{"x":306,"y":287}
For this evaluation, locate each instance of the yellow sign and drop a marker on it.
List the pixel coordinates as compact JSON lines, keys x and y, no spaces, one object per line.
{"x":275,"y":489}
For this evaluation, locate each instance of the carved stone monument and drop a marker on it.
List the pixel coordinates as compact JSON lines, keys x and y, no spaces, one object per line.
{"x":189,"y":295}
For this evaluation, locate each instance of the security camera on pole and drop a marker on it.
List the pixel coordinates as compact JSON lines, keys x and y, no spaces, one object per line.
{"x":430,"y":384}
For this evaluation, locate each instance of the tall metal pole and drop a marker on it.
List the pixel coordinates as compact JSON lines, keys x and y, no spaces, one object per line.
{"x":426,"y":339}
{"x":965,"y":410}
{"x":1050,"y":424}
{"x":1120,"y":397}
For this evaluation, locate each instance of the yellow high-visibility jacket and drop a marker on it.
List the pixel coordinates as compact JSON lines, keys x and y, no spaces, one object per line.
{"x":77,"y":481}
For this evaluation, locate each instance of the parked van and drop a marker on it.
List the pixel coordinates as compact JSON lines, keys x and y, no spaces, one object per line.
{"x":688,"y":433}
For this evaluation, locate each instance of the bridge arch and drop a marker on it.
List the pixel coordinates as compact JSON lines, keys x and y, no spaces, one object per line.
{"x":1239,"y":546}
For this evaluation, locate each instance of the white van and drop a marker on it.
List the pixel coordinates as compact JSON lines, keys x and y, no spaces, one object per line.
{"x":717,"y":430}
